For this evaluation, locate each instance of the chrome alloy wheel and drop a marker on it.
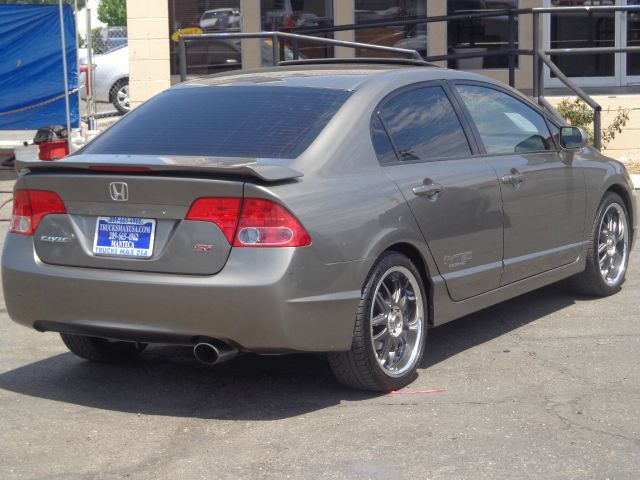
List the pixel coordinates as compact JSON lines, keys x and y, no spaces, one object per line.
{"x":122,"y":98}
{"x":397,"y":320}
{"x":613,"y":244}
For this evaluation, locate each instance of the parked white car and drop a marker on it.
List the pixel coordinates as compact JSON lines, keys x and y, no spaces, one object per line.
{"x":220,"y":19}
{"x":111,"y":78}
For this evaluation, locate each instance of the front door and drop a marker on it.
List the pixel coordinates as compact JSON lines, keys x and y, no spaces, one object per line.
{"x":543,"y":196}
{"x":454,"y":196}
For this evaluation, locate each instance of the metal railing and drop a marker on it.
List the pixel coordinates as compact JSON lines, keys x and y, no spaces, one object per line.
{"x":275,"y":45}
{"x":541,"y":56}
{"x":511,"y":52}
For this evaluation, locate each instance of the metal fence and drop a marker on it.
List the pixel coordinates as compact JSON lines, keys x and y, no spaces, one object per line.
{"x":104,"y":75}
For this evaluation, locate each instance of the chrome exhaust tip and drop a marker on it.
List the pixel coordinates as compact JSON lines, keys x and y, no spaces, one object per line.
{"x":210,"y":354}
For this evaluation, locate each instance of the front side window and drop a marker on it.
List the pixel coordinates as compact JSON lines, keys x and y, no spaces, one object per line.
{"x":424,"y":125}
{"x":505,"y":124}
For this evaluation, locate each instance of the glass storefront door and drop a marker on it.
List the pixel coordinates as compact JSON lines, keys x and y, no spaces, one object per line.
{"x":596,"y":29}
{"x":480,"y":34}
{"x":631,"y":38}
{"x":375,"y":11}
{"x":298,"y":15}
{"x":205,"y":16}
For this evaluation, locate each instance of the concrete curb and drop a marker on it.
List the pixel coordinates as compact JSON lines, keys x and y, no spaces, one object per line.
{"x":635,"y":178}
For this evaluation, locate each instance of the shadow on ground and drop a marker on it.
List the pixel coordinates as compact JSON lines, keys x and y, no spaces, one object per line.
{"x":168,"y":381}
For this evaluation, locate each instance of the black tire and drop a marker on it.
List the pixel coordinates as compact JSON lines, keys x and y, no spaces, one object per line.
{"x":102,"y":350}
{"x":591,"y":281}
{"x":113,"y":96}
{"x":360,"y":367}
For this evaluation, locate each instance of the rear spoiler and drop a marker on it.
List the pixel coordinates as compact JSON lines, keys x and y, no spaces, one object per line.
{"x":262,"y":169}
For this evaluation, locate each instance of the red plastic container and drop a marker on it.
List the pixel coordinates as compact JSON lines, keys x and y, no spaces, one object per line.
{"x":53,"y":150}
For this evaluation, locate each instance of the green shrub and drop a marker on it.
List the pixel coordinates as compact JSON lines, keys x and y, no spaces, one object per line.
{"x":579,"y":114}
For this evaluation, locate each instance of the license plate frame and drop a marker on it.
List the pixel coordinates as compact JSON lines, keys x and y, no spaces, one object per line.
{"x":124,"y":237}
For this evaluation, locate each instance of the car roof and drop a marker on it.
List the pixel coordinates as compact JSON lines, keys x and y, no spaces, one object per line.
{"x":343,"y":76}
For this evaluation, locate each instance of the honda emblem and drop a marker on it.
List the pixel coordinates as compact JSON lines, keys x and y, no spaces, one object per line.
{"x":119,"y":191}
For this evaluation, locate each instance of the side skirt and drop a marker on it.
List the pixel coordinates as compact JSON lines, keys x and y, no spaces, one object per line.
{"x":446,"y":310}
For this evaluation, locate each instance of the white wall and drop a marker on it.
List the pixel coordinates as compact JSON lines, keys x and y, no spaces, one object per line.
{"x":91,"y":5}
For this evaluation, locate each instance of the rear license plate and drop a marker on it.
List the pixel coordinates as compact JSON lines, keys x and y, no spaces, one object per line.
{"x":124,"y":237}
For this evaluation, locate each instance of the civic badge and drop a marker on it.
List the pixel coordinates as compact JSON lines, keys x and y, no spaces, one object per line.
{"x":119,"y":191}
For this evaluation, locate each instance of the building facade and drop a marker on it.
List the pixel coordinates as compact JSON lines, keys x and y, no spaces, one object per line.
{"x":155,"y":24}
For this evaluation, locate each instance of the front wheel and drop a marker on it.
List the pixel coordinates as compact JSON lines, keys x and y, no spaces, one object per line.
{"x":120,"y":96}
{"x":390,"y":330}
{"x":608,"y":252}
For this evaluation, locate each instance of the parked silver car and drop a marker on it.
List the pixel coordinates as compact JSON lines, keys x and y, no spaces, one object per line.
{"x":111,"y":69}
{"x":312,"y":208}
{"x":111,"y":78}
{"x":220,"y":19}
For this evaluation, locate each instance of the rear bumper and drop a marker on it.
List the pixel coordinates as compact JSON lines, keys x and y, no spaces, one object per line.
{"x":264,"y":300}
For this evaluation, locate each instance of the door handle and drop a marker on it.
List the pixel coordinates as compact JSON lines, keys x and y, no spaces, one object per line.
{"x":428,"y":189}
{"x":515,"y":178}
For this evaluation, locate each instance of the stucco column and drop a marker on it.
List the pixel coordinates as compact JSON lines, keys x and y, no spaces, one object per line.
{"x":343,"y":13}
{"x":524,"y":72}
{"x":148,"y":32}
{"x":437,"y":31}
{"x":251,"y":51}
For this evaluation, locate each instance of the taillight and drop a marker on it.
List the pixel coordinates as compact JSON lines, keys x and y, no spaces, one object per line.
{"x":264,"y":223}
{"x":30,"y":206}
{"x":224,"y":212}
{"x":251,"y":222}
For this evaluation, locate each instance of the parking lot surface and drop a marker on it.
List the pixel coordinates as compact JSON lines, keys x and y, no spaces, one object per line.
{"x":543,"y":386}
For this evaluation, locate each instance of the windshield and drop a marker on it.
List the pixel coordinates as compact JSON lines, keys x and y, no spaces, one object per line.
{"x":263,"y":121}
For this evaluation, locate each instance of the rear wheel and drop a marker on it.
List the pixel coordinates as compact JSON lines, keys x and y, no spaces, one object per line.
{"x":608,"y":253}
{"x":390,"y":331}
{"x":102,"y":350}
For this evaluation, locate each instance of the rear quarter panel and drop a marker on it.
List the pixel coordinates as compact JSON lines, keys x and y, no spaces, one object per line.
{"x":349,"y":206}
{"x":351,"y":209}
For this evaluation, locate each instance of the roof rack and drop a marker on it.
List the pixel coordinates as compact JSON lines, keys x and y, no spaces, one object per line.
{"x":359,"y":60}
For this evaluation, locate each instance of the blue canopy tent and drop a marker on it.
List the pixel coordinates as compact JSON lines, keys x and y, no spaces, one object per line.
{"x":32,"y":67}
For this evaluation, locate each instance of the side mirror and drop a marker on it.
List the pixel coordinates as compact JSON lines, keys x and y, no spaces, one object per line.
{"x":573,"y":138}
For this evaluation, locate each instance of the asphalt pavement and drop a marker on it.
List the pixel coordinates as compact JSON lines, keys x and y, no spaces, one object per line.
{"x":543,"y":386}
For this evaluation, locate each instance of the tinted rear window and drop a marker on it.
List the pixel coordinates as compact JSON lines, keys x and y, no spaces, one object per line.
{"x":424,"y":125}
{"x":271,"y":122}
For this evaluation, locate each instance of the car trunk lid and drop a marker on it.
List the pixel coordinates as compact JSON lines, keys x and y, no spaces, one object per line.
{"x":130,"y":214}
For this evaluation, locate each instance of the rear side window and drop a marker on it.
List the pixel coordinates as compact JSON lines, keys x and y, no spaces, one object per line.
{"x":381,"y":143}
{"x":424,"y":125}
{"x":263,"y":121}
{"x":505,"y":124}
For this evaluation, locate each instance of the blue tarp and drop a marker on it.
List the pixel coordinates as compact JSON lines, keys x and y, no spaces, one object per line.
{"x":31,"y":71}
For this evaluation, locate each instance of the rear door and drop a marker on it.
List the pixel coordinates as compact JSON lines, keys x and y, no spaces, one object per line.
{"x":543,"y":194}
{"x":453,"y":195}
